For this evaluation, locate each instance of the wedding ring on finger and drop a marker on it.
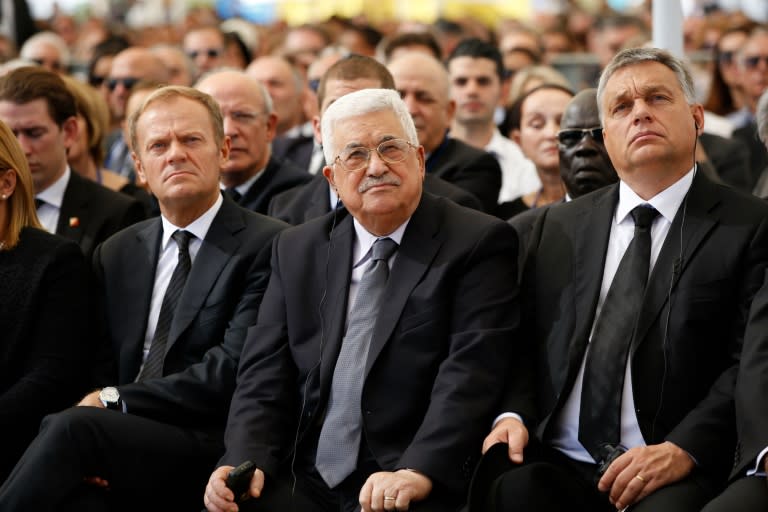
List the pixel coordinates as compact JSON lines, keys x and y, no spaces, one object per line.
{"x":640,"y":478}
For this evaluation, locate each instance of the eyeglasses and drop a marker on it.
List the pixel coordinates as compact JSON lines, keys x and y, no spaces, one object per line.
{"x":127,"y":82}
{"x":572,"y":136}
{"x":726,"y":57}
{"x":390,"y":151}
{"x":242,"y":117}
{"x":753,"y":61}
{"x":53,"y":64}
{"x":211,"y":53}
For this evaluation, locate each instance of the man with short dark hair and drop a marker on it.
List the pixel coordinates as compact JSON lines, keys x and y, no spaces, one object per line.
{"x":178,"y":294}
{"x":476,"y":72}
{"x":39,"y":109}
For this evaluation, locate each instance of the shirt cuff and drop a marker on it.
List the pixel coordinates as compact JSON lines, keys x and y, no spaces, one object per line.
{"x":505,"y":416}
{"x":759,"y":469}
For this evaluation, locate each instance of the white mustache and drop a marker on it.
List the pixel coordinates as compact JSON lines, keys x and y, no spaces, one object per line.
{"x":372,"y":181}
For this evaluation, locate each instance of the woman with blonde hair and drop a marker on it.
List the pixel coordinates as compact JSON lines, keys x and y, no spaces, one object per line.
{"x":44,"y":312}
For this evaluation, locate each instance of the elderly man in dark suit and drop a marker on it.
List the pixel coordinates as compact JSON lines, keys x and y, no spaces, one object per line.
{"x":253,"y":175}
{"x":374,"y":390}
{"x":179,"y":293}
{"x":316,"y":198}
{"x":637,"y":296}
{"x":423,"y":83}
{"x":41,"y":112}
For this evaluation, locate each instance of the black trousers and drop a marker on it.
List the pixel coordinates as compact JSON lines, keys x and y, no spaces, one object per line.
{"x":149,"y":465}
{"x":299,"y":488}
{"x":745,"y":494}
{"x":548,"y":481}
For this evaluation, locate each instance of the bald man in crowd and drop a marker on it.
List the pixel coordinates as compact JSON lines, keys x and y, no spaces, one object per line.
{"x":129,"y":67}
{"x":422,"y":82}
{"x":252,"y":175}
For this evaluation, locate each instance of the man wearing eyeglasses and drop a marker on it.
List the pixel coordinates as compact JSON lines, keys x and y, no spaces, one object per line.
{"x":128,"y":68}
{"x":252,"y":175}
{"x":381,"y":342}
{"x":584,"y":162}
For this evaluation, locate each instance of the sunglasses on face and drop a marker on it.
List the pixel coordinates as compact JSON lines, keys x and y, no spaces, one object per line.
{"x":569,"y":138}
{"x":96,"y":80}
{"x":726,"y":57}
{"x":210,"y":53}
{"x":753,"y":61}
{"x":128,"y":83}
{"x":54,"y":64}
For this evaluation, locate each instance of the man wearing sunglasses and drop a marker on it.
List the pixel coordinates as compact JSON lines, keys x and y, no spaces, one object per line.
{"x":205,"y":46}
{"x":128,"y":68}
{"x":370,"y":373}
{"x":584,"y":162}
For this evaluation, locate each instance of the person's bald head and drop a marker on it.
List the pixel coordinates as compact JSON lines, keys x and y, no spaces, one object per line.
{"x":246,"y":108}
{"x":129,"y":67}
{"x":286,"y":87}
{"x":423,"y":83}
{"x":584,"y":162}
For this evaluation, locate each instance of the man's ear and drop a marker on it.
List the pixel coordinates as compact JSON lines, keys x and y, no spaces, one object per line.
{"x":69,"y":128}
{"x":328,"y":173}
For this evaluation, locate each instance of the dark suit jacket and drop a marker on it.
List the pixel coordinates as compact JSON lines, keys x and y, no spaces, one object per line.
{"x":690,"y":327}
{"x":221,"y":299}
{"x":752,"y":388}
{"x":45,"y":321}
{"x":278,"y":176}
{"x":730,"y":158}
{"x":91,"y":213}
{"x":472,"y":169}
{"x":444,"y":334}
{"x":312,"y":200}
{"x":296,"y":149}
{"x":758,"y":155}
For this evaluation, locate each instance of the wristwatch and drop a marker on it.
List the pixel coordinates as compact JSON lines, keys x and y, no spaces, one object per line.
{"x":110,"y":397}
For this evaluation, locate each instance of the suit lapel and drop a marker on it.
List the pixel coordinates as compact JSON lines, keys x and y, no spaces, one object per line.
{"x":593,"y":232}
{"x":216,"y":250}
{"x":418,"y":248}
{"x":74,"y":207}
{"x":319,"y":203}
{"x":139,"y":275}
{"x":336,"y":263}
{"x":694,"y":219}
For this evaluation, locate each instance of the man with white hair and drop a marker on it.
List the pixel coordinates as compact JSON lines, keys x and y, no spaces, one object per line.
{"x":47,"y":49}
{"x":379,"y":321}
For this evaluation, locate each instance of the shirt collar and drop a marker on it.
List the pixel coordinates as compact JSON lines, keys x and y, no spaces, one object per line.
{"x":199,"y":227}
{"x":243,"y":188}
{"x":54,"y":195}
{"x":365,"y":241}
{"x":665,"y":202}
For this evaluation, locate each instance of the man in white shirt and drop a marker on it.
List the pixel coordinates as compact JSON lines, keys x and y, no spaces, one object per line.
{"x":632,"y":405}
{"x":477,"y":83}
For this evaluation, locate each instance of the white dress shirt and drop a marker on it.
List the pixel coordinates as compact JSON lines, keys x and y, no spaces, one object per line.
{"x":565,"y":431}
{"x":518,"y":174}
{"x":49,"y":211}
{"x":169,"y":257}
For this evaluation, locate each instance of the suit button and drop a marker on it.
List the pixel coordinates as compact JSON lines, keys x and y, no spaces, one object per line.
{"x":367,"y":413}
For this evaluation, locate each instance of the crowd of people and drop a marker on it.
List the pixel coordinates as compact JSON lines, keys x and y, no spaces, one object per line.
{"x":339,"y":267}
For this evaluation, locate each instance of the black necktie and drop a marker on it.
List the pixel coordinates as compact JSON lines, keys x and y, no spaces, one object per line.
{"x":38,"y":203}
{"x":153,"y":366}
{"x":600,"y":414}
{"x":233,"y":194}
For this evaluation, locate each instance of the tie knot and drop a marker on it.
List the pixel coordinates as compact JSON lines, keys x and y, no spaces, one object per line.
{"x":39,"y":202}
{"x":644,"y":215}
{"x":182,"y":239}
{"x":233,"y":194}
{"x":383,"y":248}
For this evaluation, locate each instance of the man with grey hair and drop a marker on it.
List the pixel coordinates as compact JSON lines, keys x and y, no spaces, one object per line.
{"x":636,"y":298}
{"x":49,"y":50}
{"x":383,"y":341}
{"x":252,"y":175}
